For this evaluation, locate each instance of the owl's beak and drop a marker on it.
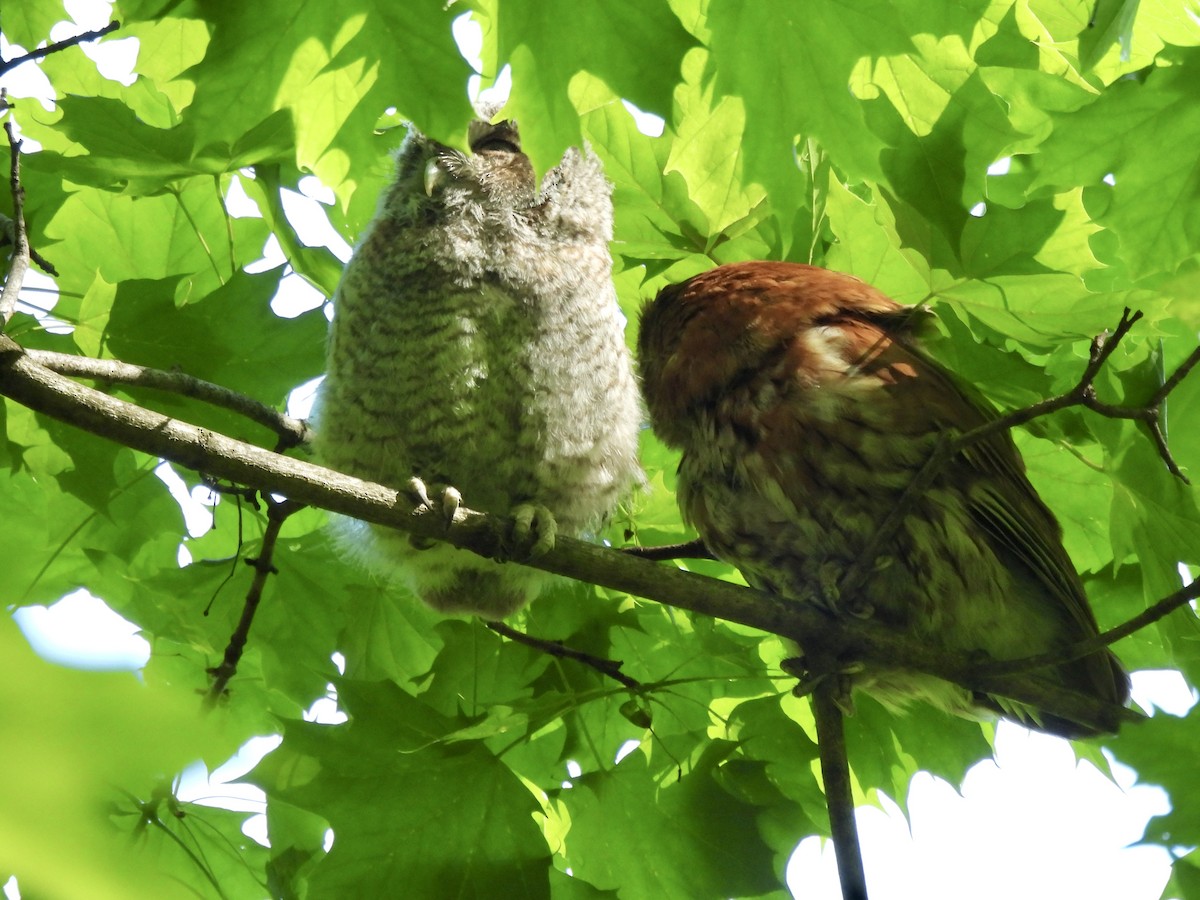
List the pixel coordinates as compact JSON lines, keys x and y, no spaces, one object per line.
{"x":434,"y":173}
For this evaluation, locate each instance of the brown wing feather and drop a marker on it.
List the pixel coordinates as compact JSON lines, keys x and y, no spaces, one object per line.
{"x":1021,"y":527}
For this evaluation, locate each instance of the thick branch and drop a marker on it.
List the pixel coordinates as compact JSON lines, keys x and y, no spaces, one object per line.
{"x":205,"y":451}
{"x":6,"y":65}
{"x":292,"y":432}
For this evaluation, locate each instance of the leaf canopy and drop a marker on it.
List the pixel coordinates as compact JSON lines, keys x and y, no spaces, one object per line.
{"x":1028,"y":168}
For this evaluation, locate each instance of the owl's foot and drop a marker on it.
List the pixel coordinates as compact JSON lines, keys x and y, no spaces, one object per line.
{"x":829,"y":575}
{"x":446,"y":506}
{"x":531,"y":532}
{"x":843,"y":678}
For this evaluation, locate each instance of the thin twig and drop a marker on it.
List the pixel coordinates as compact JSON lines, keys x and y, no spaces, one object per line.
{"x":6,"y":65}
{"x":7,"y":230}
{"x":292,"y":432}
{"x":685,"y":550}
{"x":839,"y":799}
{"x":1082,"y":394}
{"x":1149,"y":616}
{"x":20,"y":255}
{"x":609,"y":667}
{"x":277,"y":513}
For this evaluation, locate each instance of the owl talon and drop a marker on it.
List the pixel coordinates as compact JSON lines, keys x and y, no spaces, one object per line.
{"x":446,"y":507}
{"x":451,"y":503}
{"x":809,"y":681}
{"x":419,"y":495}
{"x":532,"y":531}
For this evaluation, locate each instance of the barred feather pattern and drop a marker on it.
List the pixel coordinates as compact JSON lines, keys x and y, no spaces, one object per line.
{"x":804,"y":408}
{"x":477,"y":343}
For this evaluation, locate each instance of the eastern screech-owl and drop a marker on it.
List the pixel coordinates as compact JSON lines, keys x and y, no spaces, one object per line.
{"x":803,"y":409}
{"x":477,"y":344}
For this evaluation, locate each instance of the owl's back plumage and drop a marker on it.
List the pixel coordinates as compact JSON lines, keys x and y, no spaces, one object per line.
{"x":477,"y":343}
{"x":804,"y":411}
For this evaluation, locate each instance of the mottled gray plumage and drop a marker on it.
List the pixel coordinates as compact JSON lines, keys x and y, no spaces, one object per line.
{"x":477,"y":343}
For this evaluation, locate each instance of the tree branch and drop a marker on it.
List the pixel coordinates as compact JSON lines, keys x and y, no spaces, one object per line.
{"x":277,"y":514}
{"x":839,"y":799}
{"x":1083,"y":394}
{"x":51,"y":394}
{"x":20,"y":255}
{"x":57,"y":46}
{"x":1149,"y":616}
{"x":686,"y":550}
{"x":292,"y":432}
{"x":608,"y":667}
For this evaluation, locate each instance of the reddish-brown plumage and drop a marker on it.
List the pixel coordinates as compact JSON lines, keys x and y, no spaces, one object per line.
{"x":804,"y":409}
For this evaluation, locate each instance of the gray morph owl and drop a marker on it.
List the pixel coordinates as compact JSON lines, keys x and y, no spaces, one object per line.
{"x":477,"y":344}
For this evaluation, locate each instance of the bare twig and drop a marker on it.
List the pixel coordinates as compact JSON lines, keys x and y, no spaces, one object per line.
{"x":202,"y":450}
{"x":292,"y":432}
{"x":609,"y":667}
{"x":277,"y":513}
{"x":1082,"y":394}
{"x":20,"y":255}
{"x":1149,"y":616}
{"x":249,"y":494}
{"x":839,"y":800}
{"x":686,"y":550}
{"x":8,"y":64}
{"x":7,"y":233}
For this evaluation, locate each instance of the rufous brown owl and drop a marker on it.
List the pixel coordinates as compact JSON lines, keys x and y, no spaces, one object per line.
{"x":803,"y":409}
{"x":477,"y":346}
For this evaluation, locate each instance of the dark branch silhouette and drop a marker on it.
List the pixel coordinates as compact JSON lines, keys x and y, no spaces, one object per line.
{"x":57,"y":46}
{"x":839,"y":799}
{"x":277,"y":513}
{"x":686,"y":550}
{"x":608,"y":667}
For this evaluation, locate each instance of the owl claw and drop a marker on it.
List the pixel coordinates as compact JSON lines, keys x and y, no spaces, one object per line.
{"x":843,"y":681}
{"x":532,"y":531}
{"x":451,"y":503}
{"x":418,"y":494}
{"x":829,"y":576}
{"x":447,"y":506}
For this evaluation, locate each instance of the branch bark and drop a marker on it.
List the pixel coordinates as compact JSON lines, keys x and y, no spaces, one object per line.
{"x":292,"y":432}
{"x":839,"y":799}
{"x":264,"y":568}
{"x":19,"y":264}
